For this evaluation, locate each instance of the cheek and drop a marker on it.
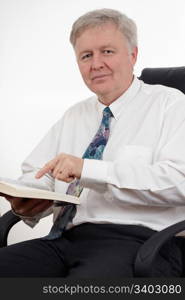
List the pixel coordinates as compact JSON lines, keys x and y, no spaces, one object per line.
{"x":84,"y":70}
{"x":124,"y":67}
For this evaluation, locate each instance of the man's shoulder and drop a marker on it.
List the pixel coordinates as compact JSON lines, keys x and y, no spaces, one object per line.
{"x":159,"y":88}
{"x":76,"y":111}
{"x":81,"y":109}
{"x":82,"y":106}
{"x":162,"y":92}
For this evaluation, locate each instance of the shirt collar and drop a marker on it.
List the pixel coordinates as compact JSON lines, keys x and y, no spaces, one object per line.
{"x":118,"y":105}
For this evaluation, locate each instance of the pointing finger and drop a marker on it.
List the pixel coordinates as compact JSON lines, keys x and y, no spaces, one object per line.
{"x":46,"y":169}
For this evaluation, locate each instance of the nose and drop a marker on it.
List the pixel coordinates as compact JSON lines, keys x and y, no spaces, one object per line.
{"x":97,"y":62}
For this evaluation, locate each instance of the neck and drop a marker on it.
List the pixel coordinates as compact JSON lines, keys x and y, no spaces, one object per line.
{"x":111,"y":97}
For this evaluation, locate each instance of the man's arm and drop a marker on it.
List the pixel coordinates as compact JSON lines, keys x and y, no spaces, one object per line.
{"x":157,"y":181}
{"x":31,"y":210}
{"x":63,"y":167}
{"x":157,"y":178}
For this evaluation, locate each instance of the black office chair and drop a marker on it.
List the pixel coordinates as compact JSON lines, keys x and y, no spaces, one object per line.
{"x":7,"y":221}
{"x":145,"y":259}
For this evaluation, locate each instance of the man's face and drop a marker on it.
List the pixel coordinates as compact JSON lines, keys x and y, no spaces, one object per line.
{"x":105,"y":61}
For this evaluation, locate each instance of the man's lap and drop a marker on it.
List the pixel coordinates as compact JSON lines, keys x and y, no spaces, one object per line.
{"x":33,"y":258}
{"x":85,"y":251}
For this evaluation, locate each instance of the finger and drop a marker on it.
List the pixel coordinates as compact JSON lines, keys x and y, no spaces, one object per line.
{"x":20,"y":204}
{"x":64,"y":171}
{"x":12,"y":198}
{"x":44,"y":170}
{"x":2,"y":195}
{"x":30,"y":207}
{"x":7,"y":197}
{"x":39,"y":208}
{"x":65,"y":179}
{"x":65,"y":176}
{"x":69,"y":179}
{"x":47,"y":168}
{"x":58,"y":169}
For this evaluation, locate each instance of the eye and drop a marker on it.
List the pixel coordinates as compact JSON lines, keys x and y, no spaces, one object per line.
{"x":108,"y":51}
{"x":86,"y":56}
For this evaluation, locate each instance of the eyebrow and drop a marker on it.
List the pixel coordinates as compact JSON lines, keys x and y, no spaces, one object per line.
{"x":102,"y":47}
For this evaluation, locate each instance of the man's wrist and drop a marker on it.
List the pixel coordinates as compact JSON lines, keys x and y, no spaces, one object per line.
{"x":94,"y":171}
{"x":22,"y":216}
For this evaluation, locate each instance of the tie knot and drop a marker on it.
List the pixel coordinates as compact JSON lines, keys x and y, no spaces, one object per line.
{"x":107,"y":112}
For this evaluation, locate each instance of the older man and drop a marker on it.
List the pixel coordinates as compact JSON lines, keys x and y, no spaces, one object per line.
{"x":121,"y":151}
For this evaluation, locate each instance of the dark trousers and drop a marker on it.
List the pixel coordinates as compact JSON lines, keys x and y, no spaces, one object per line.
{"x":88,"y":251}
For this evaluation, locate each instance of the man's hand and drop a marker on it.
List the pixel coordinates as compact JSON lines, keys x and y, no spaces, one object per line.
{"x":27,"y":207}
{"x":63,"y":167}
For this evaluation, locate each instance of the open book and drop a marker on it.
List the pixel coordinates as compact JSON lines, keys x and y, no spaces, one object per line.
{"x":18,"y":190}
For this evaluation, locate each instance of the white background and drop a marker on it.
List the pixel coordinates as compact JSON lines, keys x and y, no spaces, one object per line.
{"x":39,"y":78}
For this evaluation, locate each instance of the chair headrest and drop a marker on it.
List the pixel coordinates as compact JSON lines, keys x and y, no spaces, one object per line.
{"x":172,"y":77}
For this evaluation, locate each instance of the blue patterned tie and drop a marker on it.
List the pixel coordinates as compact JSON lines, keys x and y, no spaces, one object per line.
{"x":94,"y":151}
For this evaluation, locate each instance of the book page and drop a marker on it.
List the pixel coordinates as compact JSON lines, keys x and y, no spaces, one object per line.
{"x":16,"y":190}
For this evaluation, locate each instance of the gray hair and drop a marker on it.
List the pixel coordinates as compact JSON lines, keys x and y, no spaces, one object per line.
{"x":102,"y":16}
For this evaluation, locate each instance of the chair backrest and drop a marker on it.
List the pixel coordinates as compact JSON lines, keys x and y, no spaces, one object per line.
{"x":172,"y":77}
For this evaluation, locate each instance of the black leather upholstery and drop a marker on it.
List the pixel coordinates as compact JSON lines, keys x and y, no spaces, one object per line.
{"x":172,"y":77}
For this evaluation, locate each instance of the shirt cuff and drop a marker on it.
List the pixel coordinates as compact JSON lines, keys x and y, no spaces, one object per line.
{"x":95,"y":172}
{"x":31,"y":221}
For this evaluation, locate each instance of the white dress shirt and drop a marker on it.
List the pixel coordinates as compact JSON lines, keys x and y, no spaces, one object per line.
{"x":141,"y":178}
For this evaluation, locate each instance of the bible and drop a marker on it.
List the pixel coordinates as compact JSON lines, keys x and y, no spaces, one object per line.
{"x":18,"y":190}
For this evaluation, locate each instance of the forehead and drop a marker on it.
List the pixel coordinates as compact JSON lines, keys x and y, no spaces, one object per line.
{"x":107,"y":33}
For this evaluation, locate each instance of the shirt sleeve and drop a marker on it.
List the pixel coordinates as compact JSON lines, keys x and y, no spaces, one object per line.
{"x":159,"y":181}
{"x":46,"y":150}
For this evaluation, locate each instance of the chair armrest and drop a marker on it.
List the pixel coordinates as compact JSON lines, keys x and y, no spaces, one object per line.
{"x":148,"y":251}
{"x":6,"y":223}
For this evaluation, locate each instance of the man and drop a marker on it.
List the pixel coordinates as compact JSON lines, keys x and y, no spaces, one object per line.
{"x":131,"y":176}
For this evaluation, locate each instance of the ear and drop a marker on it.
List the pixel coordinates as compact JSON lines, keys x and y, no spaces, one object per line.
{"x":133,"y":55}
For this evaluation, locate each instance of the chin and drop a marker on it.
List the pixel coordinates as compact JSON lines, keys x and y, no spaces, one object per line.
{"x":101,"y":93}
{"x":100,"y":89}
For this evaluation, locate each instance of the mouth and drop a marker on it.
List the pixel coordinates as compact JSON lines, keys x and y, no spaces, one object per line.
{"x":99,"y":77}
